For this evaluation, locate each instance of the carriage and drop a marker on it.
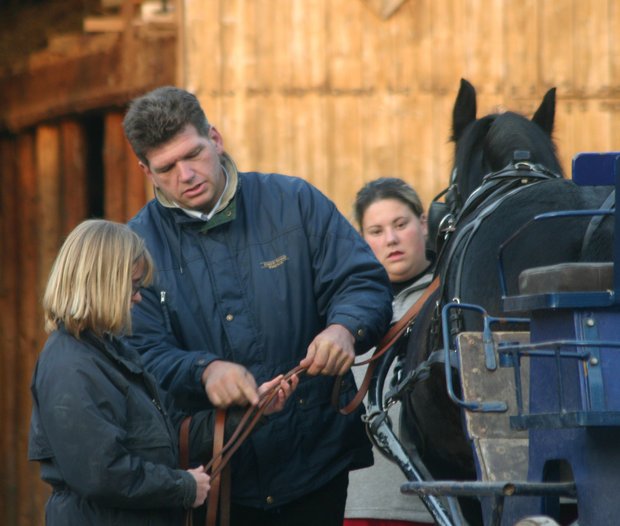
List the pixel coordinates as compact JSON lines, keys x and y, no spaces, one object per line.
{"x":510,"y":404}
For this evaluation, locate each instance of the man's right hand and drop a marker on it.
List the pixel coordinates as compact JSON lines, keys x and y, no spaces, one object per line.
{"x":228,"y":383}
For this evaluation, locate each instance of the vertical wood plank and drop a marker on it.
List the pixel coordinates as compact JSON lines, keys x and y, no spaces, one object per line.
{"x":483,"y":44}
{"x":556,"y":55}
{"x":74,"y":192}
{"x":136,"y":181}
{"x":44,"y":225}
{"x":232,"y":43}
{"x":279,"y":19}
{"x":49,"y":231}
{"x":447,"y":19}
{"x":613,"y":30}
{"x":9,"y":280}
{"x":345,"y":152}
{"x":47,"y":154}
{"x":591,"y":47}
{"x":443,"y":150}
{"x":114,"y":168}
{"x":522,"y":41}
{"x":47,"y":227}
{"x":379,"y":128}
{"x":408,"y":54}
{"x":251,"y":30}
{"x":614,"y":132}
{"x":202,"y":41}
{"x":180,"y":16}
{"x":29,"y":494}
{"x":415,"y":164}
{"x":564,"y":136}
{"x":308,"y":44}
{"x":310,"y":136}
{"x":585,"y":126}
{"x":344,"y":45}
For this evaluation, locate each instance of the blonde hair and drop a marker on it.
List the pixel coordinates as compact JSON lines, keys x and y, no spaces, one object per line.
{"x":90,"y":284}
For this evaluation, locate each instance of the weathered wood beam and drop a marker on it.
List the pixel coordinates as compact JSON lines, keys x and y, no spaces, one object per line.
{"x":87,"y":77}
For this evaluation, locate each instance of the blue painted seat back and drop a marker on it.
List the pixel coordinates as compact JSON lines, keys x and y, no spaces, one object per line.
{"x":602,"y":169}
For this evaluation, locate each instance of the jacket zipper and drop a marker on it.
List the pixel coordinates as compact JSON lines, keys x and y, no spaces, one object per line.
{"x":164,"y":308}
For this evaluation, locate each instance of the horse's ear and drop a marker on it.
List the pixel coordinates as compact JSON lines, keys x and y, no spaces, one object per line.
{"x":545,"y":114}
{"x":464,"y":111}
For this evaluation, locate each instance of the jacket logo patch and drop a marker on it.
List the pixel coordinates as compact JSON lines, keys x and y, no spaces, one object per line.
{"x":274,"y":263}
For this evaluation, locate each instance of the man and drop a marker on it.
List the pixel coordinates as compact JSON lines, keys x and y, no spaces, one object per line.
{"x":257,"y":273}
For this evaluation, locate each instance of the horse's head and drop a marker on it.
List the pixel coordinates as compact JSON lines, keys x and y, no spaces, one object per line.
{"x":488,"y":144}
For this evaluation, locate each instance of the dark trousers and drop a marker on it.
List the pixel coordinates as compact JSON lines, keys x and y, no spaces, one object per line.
{"x":322,"y":507}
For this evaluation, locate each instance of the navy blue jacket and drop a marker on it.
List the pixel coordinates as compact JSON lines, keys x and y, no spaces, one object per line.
{"x":254,"y":285}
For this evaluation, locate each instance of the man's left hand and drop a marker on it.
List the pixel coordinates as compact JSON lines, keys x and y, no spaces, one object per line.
{"x":331,"y":352}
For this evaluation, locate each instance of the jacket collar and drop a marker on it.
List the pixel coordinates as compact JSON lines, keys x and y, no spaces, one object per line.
{"x":114,"y":349}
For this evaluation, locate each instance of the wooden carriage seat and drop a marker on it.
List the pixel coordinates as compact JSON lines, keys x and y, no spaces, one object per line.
{"x":501,"y":452}
{"x":567,"y":277}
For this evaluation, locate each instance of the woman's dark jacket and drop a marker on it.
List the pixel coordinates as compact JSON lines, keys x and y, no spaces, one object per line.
{"x":106,"y":439}
{"x":254,"y":285}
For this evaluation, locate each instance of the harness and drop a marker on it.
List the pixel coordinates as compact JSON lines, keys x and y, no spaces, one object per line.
{"x":496,"y":188}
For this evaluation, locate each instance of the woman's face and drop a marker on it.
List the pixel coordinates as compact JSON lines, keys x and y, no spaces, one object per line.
{"x":397,"y":237}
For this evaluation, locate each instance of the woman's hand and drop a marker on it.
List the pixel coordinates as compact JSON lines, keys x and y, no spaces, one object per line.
{"x":285,"y":390}
{"x":203,"y":484}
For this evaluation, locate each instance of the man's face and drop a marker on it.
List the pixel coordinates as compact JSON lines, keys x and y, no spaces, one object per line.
{"x":187,"y":169}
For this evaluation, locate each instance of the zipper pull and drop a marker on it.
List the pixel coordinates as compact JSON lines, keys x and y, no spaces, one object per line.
{"x":164,"y":308}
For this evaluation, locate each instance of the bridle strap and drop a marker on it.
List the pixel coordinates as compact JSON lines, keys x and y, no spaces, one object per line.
{"x":184,"y":458}
{"x":248,"y":421}
{"x":214,"y":497}
{"x":184,"y":443}
{"x":223,"y":453}
{"x":386,"y":342}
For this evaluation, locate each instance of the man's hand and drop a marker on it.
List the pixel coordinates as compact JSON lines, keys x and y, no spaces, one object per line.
{"x":331,"y":352}
{"x":228,"y":383}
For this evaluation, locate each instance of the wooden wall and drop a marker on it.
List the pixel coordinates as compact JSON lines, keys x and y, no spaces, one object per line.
{"x":45,"y":192}
{"x":333,"y":92}
{"x":336,"y":91}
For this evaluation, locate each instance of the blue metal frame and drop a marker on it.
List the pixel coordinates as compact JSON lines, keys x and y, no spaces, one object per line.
{"x":489,"y":351}
{"x":587,"y":351}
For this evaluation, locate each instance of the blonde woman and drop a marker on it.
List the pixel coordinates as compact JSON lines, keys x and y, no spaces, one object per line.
{"x":104,"y":435}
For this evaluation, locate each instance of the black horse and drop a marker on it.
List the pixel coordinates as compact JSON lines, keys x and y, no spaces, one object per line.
{"x":506,"y":171}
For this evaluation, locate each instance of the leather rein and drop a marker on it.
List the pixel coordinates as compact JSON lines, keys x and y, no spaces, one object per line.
{"x":253,"y":414}
{"x":222,"y":453}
